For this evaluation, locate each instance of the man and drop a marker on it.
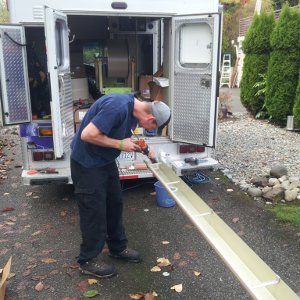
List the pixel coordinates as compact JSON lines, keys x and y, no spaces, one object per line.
{"x":104,"y":132}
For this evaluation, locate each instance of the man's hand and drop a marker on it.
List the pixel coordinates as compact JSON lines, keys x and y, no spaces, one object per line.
{"x":130,"y":146}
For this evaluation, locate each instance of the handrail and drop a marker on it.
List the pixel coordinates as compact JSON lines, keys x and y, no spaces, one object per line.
{"x":255,"y":275}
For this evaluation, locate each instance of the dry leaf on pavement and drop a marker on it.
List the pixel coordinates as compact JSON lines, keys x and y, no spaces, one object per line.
{"x":48,"y":260}
{"x":165,"y":242}
{"x":236,"y":220}
{"x":156,"y":269}
{"x":39,"y":287}
{"x":177,"y":288}
{"x":37,"y":233}
{"x":197,"y":273}
{"x":176,"y":255}
{"x":92,"y":281}
{"x":163,"y":262}
{"x":138,"y":295}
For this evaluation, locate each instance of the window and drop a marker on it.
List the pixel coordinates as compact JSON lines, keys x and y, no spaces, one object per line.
{"x":195,"y":45}
{"x":61,"y":37}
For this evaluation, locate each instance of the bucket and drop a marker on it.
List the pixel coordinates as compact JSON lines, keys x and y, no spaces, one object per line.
{"x":163,"y":199}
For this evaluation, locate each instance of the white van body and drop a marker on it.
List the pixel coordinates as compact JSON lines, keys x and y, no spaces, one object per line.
{"x":135,"y":38}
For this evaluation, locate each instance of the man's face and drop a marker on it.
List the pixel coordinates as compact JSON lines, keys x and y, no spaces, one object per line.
{"x":148,"y":123}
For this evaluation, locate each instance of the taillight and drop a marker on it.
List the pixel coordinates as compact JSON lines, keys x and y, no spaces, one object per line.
{"x":189,"y":148}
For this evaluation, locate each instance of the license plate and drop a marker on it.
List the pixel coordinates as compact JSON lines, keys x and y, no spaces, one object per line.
{"x":127,"y":156}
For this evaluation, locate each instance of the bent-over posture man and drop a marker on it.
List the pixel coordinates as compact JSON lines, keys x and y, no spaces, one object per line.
{"x":104,"y":132}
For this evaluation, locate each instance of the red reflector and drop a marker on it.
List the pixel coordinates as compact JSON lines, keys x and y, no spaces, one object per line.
{"x":192,"y":148}
{"x":200,"y":149}
{"x":124,"y":177}
{"x":183,"y":148}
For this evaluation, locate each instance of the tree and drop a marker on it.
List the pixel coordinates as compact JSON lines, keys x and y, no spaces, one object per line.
{"x":284,"y":64}
{"x":296,"y":109}
{"x":256,"y":47}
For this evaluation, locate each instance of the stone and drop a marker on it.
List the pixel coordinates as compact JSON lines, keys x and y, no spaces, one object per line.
{"x":254,"y":192}
{"x":259,"y":181}
{"x":275,"y":195}
{"x":283,"y":178}
{"x":266,"y":189}
{"x":273,"y":181}
{"x":290,"y":195}
{"x":295,"y":184}
{"x":285,"y":184}
{"x":278,"y":171}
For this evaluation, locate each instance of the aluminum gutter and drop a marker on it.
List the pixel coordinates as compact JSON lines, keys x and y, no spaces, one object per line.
{"x":259,"y":280}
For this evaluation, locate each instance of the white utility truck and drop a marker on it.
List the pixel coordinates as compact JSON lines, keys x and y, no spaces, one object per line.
{"x":57,"y":57}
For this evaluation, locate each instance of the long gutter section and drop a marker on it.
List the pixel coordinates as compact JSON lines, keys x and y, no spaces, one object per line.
{"x":255,"y":275}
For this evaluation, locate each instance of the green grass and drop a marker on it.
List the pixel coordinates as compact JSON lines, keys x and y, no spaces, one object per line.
{"x":288,"y":213}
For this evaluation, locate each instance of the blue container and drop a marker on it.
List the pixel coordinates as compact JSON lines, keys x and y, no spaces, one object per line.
{"x":163,"y":199}
{"x":150,"y":132}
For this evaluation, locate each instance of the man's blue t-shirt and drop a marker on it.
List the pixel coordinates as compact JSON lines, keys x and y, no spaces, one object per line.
{"x":113,"y":115}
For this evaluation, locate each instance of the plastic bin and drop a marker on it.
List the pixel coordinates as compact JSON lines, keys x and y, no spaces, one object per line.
{"x":163,"y":199}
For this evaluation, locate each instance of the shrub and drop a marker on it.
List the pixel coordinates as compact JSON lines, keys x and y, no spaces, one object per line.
{"x":257,"y":47}
{"x":283,"y":68}
{"x":296,"y":109}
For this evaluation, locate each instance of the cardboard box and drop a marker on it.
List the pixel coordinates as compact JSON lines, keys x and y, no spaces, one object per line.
{"x":156,"y":91}
{"x":79,"y":114}
{"x":4,"y":276}
{"x":143,"y":85}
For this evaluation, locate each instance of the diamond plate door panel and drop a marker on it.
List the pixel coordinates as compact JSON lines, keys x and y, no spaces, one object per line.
{"x":14,"y":78}
{"x":194,"y":85}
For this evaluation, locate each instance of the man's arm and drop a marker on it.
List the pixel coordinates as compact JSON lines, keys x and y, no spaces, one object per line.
{"x":91,"y":134}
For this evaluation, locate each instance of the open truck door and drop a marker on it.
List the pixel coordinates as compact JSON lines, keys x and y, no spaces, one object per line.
{"x":15,"y":96}
{"x":57,"y":44}
{"x":194,"y":77}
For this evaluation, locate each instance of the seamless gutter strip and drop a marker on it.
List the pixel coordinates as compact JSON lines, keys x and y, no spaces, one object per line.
{"x":259,"y":280}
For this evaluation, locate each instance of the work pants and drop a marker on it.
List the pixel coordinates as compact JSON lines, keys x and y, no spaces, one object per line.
{"x":99,"y":197}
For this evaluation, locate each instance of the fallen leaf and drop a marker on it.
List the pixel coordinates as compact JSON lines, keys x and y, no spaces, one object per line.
{"x":38,"y":277}
{"x":191,"y":253}
{"x":48,"y":260}
{"x":28,"y":194}
{"x":39,"y":287}
{"x":236,"y":220}
{"x":54,"y":272}
{"x":74,"y":265}
{"x":91,"y":293}
{"x":63,"y":214}
{"x":27,"y":272}
{"x":7,"y":209}
{"x":65,"y":199}
{"x":138,"y":295}
{"x":156,"y":269}
{"x":83,"y":285}
{"x":196,"y":273}
{"x":166,"y":274}
{"x":165,"y":242}
{"x":6,"y":194}
{"x":182,"y":263}
{"x":177,"y":288}
{"x":153,"y":193}
{"x":229,"y":190}
{"x":163,"y":262}
{"x":36,"y":197}
{"x":37,"y":233}
{"x":92,"y":281}
{"x":9,"y":223}
{"x":149,"y":296}
{"x":176,"y":255}
{"x":11,"y":275}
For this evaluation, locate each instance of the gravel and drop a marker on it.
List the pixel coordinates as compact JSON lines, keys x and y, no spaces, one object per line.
{"x":247,"y":147}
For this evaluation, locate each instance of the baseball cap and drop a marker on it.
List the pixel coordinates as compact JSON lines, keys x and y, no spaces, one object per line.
{"x":162,"y":114}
